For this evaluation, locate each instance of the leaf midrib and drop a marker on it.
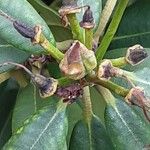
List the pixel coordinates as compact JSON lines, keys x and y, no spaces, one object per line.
{"x":131,"y":35}
{"x":59,"y":108}
{"x":126,"y":124}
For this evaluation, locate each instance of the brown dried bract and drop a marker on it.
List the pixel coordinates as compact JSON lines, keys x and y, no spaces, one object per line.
{"x":78,"y":61}
{"x":88,"y":20}
{"x":47,"y":86}
{"x":135,"y":54}
{"x":72,"y":65}
{"x":104,"y":70}
{"x":70,"y":93}
{"x":68,"y":9}
{"x":137,"y":97}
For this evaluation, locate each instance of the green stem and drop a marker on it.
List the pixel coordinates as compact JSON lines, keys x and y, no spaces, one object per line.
{"x":89,"y":38}
{"x":111,"y":86}
{"x":87,"y":106}
{"x":75,"y":27}
{"x":50,"y":49}
{"x":119,"y":62}
{"x":63,"y":81}
{"x":54,"y":52}
{"x":101,"y":50}
{"x":104,"y":18}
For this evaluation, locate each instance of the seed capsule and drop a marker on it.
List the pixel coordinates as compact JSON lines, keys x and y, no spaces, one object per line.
{"x":24,"y":30}
{"x":105,"y":70}
{"x":72,"y":65}
{"x":88,"y":20}
{"x":78,"y":61}
{"x":137,"y":97}
{"x":69,"y":7}
{"x":136,"y":54}
{"x":47,"y":86}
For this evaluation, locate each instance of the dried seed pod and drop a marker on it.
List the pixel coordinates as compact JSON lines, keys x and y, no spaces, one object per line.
{"x":104,"y":70}
{"x":24,"y":30}
{"x":33,"y":33}
{"x":137,"y":97}
{"x":136,"y":54}
{"x":72,"y":65}
{"x":88,"y":20}
{"x":47,"y":86}
{"x":68,"y":8}
{"x":78,"y":61}
{"x":70,"y":93}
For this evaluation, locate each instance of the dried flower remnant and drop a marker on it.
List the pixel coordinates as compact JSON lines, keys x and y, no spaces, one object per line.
{"x":68,"y":8}
{"x":88,"y":20}
{"x":136,"y":54}
{"x":104,"y":70}
{"x":137,"y":97}
{"x":72,"y":65}
{"x":24,"y":30}
{"x":78,"y":61}
{"x":70,"y":93}
{"x":47,"y":86}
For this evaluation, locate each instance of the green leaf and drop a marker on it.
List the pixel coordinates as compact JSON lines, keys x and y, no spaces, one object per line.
{"x":96,"y":8}
{"x":98,"y":104}
{"x":84,"y":139}
{"x":28,"y":103}
{"x":56,"y":4}
{"x":74,"y":115}
{"x":8,"y":93}
{"x":49,"y":15}
{"x":45,"y":130}
{"x":126,"y":129}
{"x":134,"y":27}
{"x":21,"y":11}
{"x":9,"y":53}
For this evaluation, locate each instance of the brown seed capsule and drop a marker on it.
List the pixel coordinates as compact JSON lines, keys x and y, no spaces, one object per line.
{"x":136,"y":54}
{"x":72,"y":65}
{"x":88,"y":20}
{"x":78,"y":61}
{"x":47,"y":86}
{"x":137,"y":97}
{"x":34,"y":34}
{"x":68,"y":8}
{"x":105,"y":70}
{"x":24,"y":30}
